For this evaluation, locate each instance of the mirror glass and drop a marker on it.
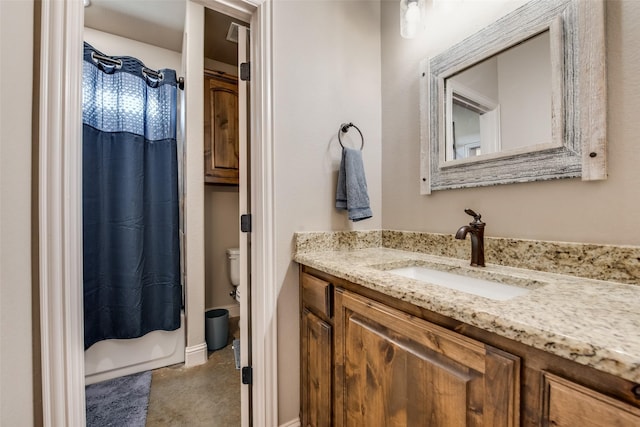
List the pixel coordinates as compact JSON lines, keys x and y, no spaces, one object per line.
{"x":502,"y":103}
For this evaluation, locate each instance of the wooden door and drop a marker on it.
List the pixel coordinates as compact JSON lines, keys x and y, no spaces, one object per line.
{"x":316,"y":348}
{"x":244,"y":193}
{"x":221,"y":147}
{"x":393,"y":369}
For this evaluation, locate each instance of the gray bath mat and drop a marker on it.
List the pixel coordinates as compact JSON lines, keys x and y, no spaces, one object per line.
{"x":236,"y":352}
{"x":119,"y":402}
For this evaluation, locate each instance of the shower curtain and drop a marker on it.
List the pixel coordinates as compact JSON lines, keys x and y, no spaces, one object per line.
{"x":130,"y":199}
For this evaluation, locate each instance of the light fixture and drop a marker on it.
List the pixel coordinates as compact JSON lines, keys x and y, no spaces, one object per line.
{"x":412,"y":14}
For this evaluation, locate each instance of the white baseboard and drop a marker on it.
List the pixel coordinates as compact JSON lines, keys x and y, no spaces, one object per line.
{"x":292,"y":423}
{"x":195,"y":355}
{"x":234,"y":309}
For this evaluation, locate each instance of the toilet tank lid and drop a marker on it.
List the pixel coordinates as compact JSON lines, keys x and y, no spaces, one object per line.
{"x":233,"y":251}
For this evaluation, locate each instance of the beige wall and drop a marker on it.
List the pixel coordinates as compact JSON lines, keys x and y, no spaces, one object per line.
{"x":326,"y":71}
{"x":16,"y":358}
{"x":153,"y":57}
{"x":564,"y":210}
{"x":221,"y":227}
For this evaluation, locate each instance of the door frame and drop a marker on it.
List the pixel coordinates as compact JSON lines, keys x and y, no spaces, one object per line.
{"x":60,"y":210}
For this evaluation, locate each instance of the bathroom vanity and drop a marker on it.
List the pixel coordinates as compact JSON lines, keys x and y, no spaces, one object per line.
{"x":379,"y":349}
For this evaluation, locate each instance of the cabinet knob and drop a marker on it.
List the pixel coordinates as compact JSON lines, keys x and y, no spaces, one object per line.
{"x":636,"y":391}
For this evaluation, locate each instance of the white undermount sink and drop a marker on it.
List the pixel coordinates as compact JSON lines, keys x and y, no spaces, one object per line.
{"x":484,"y":288}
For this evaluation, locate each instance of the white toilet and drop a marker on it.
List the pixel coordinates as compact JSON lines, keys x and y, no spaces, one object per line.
{"x":233,"y":269}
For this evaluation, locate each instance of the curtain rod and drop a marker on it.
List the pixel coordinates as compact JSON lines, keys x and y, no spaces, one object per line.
{"x":146,"y":71}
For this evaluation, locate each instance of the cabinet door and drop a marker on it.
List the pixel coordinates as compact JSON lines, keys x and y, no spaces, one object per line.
{"x":393,"y":369}
{"x":221,"y":130}
{"x":567,"y":404}
{"x":317,"y":377}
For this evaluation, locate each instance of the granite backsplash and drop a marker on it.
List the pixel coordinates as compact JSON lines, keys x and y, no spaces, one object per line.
{"x":601,"y":262}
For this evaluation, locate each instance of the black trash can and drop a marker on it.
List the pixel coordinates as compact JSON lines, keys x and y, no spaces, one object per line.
{"x":216,"y":328}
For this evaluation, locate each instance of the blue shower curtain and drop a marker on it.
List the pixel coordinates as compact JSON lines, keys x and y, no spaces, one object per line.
{"x":130,"y":200}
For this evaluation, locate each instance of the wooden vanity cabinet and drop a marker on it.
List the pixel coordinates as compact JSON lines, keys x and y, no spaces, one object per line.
{"x":372,"y":360}
{"x":221,"y":137}
{"x":366,"y":364}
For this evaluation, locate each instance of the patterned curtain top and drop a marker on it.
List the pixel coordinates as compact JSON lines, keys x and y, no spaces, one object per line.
{"x":126,"y":98}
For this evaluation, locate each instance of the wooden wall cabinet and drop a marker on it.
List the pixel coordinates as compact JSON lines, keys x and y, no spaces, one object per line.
{"x":368,"y":359}
{"x":220,"y":129}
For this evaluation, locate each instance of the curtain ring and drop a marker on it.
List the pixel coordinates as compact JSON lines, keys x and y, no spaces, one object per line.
{"x":344,"y":128}
{"x":152,"y":77}
{"x":105,"y":63}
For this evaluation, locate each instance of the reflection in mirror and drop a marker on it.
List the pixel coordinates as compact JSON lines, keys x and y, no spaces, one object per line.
{"x":473,"y":127}
{"x":502,"y":103}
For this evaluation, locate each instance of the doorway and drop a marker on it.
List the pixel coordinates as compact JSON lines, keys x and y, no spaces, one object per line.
{"x":222,"y":108}
{"x":60,"y":225}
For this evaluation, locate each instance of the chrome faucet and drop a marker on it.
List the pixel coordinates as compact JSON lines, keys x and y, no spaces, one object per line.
{"x":476,"y":228}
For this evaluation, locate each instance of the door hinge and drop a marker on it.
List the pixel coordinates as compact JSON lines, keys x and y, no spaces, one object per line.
{"x":245,"y":223}
{"x":245,"y":71}
{"x":247,"y":375}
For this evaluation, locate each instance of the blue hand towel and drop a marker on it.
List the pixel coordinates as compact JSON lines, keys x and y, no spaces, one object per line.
{"x":351,"y":193}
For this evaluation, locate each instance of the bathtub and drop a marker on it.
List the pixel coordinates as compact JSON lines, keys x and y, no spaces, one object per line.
{"x":115,"y":358}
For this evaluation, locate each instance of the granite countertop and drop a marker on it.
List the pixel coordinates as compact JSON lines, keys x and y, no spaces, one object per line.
{"x":592,"y":322}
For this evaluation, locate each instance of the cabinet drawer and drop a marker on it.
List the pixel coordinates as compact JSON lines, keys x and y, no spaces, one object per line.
{"x":317,"y":294}
{"x":567,"y":404}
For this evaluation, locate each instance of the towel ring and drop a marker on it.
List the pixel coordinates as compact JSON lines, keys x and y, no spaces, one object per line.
{"x":344,"y":128}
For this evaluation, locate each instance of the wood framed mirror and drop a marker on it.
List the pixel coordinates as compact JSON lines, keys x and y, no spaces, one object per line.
{"x":522,"y":100}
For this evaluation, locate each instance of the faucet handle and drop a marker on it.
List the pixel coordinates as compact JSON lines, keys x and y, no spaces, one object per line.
{"x":473,"y":214}
{"x":476,"y":216}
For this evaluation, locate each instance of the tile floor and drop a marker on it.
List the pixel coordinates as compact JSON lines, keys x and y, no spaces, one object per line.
{"x":205,"y":395}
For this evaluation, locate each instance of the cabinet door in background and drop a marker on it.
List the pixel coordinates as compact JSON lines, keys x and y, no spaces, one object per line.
{"x":317,"y":373}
